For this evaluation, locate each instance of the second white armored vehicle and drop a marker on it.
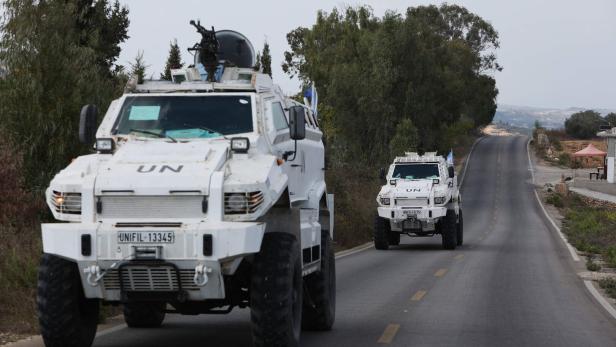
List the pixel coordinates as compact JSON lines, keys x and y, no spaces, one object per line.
{"x":204,"y":193}
{"x":420,"y":198}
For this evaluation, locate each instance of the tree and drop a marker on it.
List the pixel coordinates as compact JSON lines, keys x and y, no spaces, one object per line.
{"x":584,"y":125}
{"x":138,"y":67}
{"x":257,"y":66}
{"x":266,"y":60}
{"x":174,"y":61}
{"x":405,"y":138}
{"x":430,"y":65}
{"x":610,"y":118}
{"x":60,"y":56}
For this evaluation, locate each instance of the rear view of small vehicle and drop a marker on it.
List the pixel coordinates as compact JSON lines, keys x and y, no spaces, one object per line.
{"x":420,"y":198}
{"x":204,"y":193}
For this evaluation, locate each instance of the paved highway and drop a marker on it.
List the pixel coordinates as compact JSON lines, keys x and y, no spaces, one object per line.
{"x":512,"y":284}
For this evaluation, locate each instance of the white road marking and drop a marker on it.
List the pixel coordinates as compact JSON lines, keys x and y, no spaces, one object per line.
{"x":606,"y":305}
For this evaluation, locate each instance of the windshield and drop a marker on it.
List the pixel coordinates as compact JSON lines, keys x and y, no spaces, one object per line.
{"x":185,"y":116}
{"x":416,"y":171}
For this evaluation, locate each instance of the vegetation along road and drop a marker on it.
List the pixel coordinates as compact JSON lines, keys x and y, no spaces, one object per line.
{"x":512,"y":283}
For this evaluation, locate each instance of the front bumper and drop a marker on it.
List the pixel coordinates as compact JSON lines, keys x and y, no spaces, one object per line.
{"x":424,"y":214}
{"x":100,"y":271}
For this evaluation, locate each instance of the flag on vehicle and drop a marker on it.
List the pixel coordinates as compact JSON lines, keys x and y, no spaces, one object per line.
{"x":450,"y":157}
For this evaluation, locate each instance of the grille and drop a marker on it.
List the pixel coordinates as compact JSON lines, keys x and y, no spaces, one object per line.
{"x":412,"y":202}
{"x":152,"y":206}
{"x":243,"y":203}
{"x":148,"y":279}
{"x":68,"y":203}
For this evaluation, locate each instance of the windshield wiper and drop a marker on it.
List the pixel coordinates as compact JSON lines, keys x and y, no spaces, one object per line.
{"x":212,"y":131}
{"x":152,"y":133}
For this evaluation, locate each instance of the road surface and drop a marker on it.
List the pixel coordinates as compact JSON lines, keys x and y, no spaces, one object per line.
{"x":512,"y":284}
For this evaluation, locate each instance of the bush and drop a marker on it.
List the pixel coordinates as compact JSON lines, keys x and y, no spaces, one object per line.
{"x":591,"y":265}
{"x":555,"y":199}
{"x":609,"y":285}
{"x":564,"y":159}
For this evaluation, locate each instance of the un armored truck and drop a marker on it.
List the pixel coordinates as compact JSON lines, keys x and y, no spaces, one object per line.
{"x":202,"y":194}
{"x":420,"y":198}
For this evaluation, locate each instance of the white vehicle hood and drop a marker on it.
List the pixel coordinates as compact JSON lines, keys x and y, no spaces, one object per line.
{"x":409,"y":189}
{"x":160,"y":167}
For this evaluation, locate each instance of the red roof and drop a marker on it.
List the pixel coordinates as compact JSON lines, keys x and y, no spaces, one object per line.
{"x":590,"y":151}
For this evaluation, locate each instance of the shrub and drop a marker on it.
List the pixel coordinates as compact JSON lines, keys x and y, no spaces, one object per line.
{"x":556,"y":200}
{"x":609,"y":285}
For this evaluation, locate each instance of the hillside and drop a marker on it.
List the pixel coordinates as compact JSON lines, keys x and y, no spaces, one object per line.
{"x":525,"y":116}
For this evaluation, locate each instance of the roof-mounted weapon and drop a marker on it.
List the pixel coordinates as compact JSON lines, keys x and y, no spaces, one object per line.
{"x":208,"y":49}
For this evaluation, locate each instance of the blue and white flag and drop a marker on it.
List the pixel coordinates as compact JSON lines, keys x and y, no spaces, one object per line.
{"x":450,"y":157}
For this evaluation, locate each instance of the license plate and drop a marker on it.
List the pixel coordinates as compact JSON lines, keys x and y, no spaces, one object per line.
{"x":410,"y":213}
{"x":146,"y":237}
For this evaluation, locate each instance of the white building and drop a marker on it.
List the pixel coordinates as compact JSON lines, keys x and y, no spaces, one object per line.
{"x":610,"y":135}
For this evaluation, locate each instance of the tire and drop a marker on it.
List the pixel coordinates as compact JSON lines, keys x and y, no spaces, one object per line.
{"x":276,"y":291}
{"x":381,"y":231}
{"x":449,"y":230}
{"x":144,"y":314}
{"x":66,"y":317}
{"x":319,"y":311}
{"x":394,"y":238}
{"x":460,"y":229}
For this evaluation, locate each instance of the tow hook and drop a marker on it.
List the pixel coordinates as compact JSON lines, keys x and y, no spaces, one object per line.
{"x":201,"y":277}
{"x":94,"y":275}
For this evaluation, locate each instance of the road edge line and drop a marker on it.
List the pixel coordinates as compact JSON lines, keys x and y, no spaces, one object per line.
{"x":354,"y":250}
{"x":562,"y":236}
{"x":595,"y":293}
{"x":468,"y":159}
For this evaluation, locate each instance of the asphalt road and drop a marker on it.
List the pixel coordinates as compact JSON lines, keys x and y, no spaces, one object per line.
{"x":511,"y":284}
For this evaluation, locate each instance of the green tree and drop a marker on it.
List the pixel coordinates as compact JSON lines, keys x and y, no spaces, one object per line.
{"x":610,"y":118}
{"x":174,"y":60}
{"x":257,"y":66}
{"x":266,"y":60}
{"x":405,"y":138}
{"x":584,"y":125}
{"x":57,"y":62}
{"x":139,"y":67}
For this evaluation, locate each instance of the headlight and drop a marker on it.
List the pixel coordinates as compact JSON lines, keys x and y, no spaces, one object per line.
{"x":243,"y":203}
{"x":385,"y":201}
{"x":104,"y":145}
{"x":66,"y":203}
{"x":439,"y":200}
{"x":240,"y":144}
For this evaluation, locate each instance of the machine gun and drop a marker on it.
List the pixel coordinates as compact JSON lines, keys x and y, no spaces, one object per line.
{"x":207,"y":49}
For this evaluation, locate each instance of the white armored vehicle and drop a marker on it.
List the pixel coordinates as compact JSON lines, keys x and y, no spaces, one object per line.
{"x":204,"y":193}
{"x":420,"y":198}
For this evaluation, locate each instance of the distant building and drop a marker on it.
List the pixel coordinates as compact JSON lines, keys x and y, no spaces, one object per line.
{"x":610,"y":135}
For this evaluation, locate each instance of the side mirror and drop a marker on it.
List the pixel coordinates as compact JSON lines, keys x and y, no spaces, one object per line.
{"x":297,"y":123}
{"x":87,"y":124}
{"x":451,"y":171}
{"x":382,"y":174}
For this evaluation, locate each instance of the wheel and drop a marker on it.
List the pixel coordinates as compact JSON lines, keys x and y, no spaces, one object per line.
{"x":393,"y":238}
{"x":66,"y":317}
{"x":319,"y":309}
{"x":449,"y":230}
{"x":381,"y":230}
{"x":460,"y":229}
{"x":144,"y":314}
{"x":276,"y":292}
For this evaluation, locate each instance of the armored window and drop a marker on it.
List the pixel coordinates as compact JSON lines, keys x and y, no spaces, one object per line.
{"x":186,"y":116}
{"x":280,"y":120}
{"x":416,"y":171}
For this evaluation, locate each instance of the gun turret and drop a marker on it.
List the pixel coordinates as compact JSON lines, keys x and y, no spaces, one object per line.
{"x":207,"y":48}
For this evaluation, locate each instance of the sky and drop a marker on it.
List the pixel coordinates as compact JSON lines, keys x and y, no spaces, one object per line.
{"x":555,"y":53}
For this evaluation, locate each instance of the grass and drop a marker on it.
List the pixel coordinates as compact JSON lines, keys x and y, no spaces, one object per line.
{"x":590,"y":227}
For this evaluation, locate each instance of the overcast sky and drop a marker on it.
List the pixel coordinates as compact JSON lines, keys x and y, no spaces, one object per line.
{"x":555,"y":53}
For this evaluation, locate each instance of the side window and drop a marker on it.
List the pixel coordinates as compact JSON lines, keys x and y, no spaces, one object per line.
{"x":280,"y":120}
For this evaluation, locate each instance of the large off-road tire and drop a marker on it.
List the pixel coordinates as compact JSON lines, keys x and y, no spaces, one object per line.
{"x":66,"y":317}
{"x":381,"y":233}
{"x":460,"y":228}
{"x":144,"y":314}
{"x":276,"y":291}
{"x":449,"y":230}
{"x":319,"y":310}
{"x":393,"y":238}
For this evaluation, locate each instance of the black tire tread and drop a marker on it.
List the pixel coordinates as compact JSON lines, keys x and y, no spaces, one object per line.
{"x":269,"y":300}
{"x":381,"y":230}
{"x":449,"y":230}
{"x":319,"y":315}
{"x":66,"y":317}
